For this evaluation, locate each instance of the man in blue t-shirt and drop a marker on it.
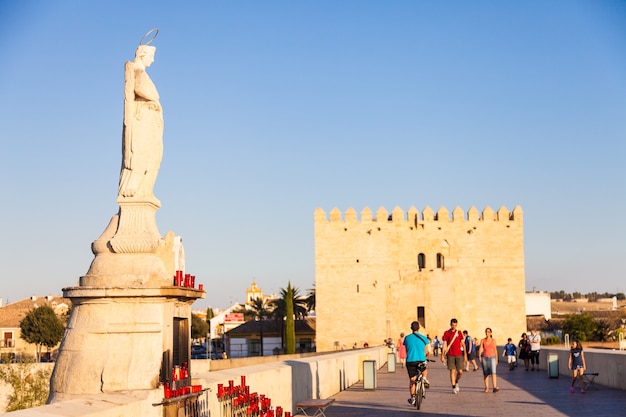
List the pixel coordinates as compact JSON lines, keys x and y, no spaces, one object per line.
{"x":416,"y":355}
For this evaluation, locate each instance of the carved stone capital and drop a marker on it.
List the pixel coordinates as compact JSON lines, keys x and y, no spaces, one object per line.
{"x":137,"y":230}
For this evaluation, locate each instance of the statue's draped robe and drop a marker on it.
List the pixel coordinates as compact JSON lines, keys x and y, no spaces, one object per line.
{"x":142,"y":147}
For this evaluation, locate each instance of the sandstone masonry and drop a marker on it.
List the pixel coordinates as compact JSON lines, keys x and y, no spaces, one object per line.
{"x":377,"y":274}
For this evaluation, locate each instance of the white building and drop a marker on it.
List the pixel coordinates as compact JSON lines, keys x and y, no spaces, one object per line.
{"x":538,"y":303}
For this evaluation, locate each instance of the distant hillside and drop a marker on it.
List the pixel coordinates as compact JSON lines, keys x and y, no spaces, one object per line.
{"x":569,"y":307}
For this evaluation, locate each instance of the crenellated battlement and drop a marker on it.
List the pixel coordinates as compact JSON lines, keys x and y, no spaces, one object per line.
{"x":413,"y":216}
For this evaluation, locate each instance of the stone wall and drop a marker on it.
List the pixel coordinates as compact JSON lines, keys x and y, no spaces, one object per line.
{"x":289,"y":381}
{"x":285,"y":382}
{"x":370,"y":284}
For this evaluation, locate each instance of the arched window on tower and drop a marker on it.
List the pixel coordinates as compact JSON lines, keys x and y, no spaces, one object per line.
{"x":421,"y":261}
{"x":440,"y":262}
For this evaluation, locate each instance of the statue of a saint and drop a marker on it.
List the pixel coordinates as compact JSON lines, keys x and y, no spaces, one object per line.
{"x":142,"y":134}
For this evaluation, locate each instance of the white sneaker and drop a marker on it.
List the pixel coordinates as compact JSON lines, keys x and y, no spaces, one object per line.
{"x":456,"y":388}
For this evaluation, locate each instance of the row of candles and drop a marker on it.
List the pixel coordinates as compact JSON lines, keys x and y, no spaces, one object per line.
{"x":180,"y":383}
{"x":237,"y":401}
{"x":186,"y":280}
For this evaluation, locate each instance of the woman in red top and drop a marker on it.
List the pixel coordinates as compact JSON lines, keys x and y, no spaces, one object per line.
{"x":489,"y":355}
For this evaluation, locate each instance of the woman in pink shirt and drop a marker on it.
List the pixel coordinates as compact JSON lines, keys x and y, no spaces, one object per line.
{"x":401,"y":350}
{"x":489,"y":355}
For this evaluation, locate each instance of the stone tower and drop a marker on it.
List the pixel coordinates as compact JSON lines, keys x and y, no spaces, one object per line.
{"x":375,"y":275}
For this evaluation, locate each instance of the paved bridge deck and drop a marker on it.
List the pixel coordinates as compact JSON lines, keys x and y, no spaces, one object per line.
{"x":521,"y":392}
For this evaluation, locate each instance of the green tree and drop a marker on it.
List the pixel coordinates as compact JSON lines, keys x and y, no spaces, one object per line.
{"x":290,"y":326}
{"x":580,"y":327}
{"x":279,"y":313}
{"x":310,"y":298}
{"x":199,"y":327}
{"x":593,"y":297}
{"x":557,"y":295}
{"x":261,"y":311}
{"x":30,"y":385}
{"x":209,"y":315}
{"x":602,"y":330}
{"x":42,"y":327}
{"x":300,"y":309}
{"x":248,"y":314}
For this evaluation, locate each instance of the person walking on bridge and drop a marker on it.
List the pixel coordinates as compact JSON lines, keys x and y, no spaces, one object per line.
{"x":454,"y":354}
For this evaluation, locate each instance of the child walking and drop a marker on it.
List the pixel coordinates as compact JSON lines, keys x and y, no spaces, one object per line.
{"x":576,"y":362}
{"x":509,"y":351}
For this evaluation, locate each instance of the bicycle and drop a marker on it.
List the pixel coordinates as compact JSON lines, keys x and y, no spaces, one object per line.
{"x":419,"y":384}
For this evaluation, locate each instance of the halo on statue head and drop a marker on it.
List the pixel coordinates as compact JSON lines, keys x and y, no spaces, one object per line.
{"x":154,"y":32}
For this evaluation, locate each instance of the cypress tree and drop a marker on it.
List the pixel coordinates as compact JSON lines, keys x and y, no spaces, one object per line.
{"x":290,"y":326}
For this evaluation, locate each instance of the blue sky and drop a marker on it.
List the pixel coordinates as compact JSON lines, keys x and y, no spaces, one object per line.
{"x":275,"y":108}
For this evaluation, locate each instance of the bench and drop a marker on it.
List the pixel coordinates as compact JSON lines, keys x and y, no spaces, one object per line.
{"x":318,"y":407}
{"x":589,"y":379}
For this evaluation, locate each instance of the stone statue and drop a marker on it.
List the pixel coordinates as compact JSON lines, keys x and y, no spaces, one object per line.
{"x":142,"y":134}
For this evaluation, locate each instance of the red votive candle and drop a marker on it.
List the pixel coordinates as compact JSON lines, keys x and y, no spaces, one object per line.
{"x":201,"y":287}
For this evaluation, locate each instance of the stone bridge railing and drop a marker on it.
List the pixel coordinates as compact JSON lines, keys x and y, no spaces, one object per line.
{"x":285,"y":382}
{"x":609,"y":364}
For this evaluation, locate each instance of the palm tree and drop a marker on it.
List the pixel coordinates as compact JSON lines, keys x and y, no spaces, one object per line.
{"x":310,"y":298}
{"x":248,"y":314}
{"x":261,"y":310}
{"x":300,"y":310}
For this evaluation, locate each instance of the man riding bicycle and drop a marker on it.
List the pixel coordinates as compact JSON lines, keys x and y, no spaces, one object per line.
{"x":416,"y":354}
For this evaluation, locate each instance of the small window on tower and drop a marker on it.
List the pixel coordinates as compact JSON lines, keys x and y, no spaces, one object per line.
{"x":440,"y":261}
{"x":421,"y":315}
{"x":421,"y":261}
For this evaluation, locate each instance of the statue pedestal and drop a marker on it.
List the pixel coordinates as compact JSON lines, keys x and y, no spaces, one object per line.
{"x":121,"y":339}
{"x":129,"y":325}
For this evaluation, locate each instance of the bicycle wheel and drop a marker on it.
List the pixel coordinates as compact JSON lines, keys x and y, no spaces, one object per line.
{"x":419,"y":393}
